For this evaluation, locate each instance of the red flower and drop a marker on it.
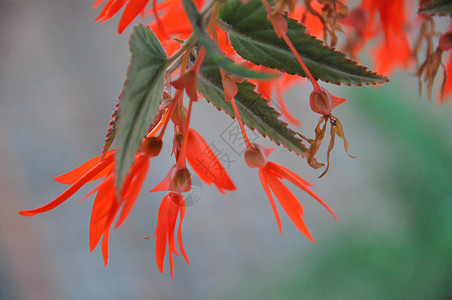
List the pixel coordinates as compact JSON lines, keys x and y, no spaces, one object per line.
{"x":89,"y":171}
{"x":106,"y":204}
{"x":270,"y":174}
{"x":394,"y":51}
{"x":205,"y":164}
{"x":172,"y":205}
{"x":133,"y":9}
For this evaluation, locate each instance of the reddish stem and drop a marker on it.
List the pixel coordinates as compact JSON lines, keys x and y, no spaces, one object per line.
{"x":181,"y":160}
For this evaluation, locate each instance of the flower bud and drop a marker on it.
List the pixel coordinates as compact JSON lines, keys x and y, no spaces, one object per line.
{"x":177,"y":144}
{"x":255,"y":158}
{"x":151,"y":146}
{"x":320,"y":102}
{"x":445,"y":41}
{"x":179,"y":115}
{"x":180,"y":179}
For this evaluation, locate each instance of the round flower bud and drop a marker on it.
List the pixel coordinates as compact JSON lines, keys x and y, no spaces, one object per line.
{"x":445,"y":41}
{"x":320,"y":102}
{"x":255,"y":158}
{"x":180,"y":181}
{"x":151,"y":146}
{"x":179,"y":115}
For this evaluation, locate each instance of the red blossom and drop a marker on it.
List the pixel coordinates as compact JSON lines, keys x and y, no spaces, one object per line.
{"x":132,"y":10}
{"x":106,"y":204}
{"x":270,"y":174}
{"x":205,"y":164}
{"x":172,"y":205}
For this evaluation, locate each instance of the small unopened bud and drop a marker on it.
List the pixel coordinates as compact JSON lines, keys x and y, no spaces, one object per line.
{"x":255,"y":158}
{"x":180,"y":180}
{"x":177,"y":144}
{"x":179,"y":115}
{"x":445,"y":41}
{"x":151,"y":146}
{"x":320,"y":102}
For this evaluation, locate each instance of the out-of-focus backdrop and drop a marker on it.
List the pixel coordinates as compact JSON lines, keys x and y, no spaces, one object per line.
{"x":60,"y":75}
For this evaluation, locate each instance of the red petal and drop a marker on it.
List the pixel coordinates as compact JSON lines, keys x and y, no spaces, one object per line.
{"x":264,"y":182}
{"x":161,"y":232}
{"x":102,"y":204}
{"x":179,"y":231}
{"x":206,"y":164}
{"x":163,"y":185}
{"x":74,"y":175}
{"x":291,"y":119}
{"x":282,"y":172}
{"x":104,"y":10}
{"x":133,"y":8}
{"x":97,"y":3}
{"x":71,"y":190}
{"x":105,"y":246}
{"x":113,"y":9}
{"x":132,"y":192}
{"x":289,"y":203}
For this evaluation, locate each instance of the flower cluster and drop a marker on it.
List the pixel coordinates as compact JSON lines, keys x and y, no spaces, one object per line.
{"x":236,"y":55}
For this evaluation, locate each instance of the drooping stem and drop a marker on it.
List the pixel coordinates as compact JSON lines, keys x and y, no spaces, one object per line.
{"x":301,"y":62}
{"x":177,"y":98}
{"x":286,"y":39}
{"x":181,"y":159}
{"x":242,"y":128}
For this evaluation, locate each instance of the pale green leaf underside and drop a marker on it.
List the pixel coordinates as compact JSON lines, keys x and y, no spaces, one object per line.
{"x":437,"y":7}
{"x":254,"y":39}
{"x":140,"y":98}
{"x":254,"y":110}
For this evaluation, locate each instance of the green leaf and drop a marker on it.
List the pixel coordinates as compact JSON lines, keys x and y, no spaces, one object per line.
{"x":212,"y":49}
{"x":111,"y":132}
{"x":254,"y":110}
{"x":254,"y":38}
{"x":437,"y":7}
{"x":140,"y":98}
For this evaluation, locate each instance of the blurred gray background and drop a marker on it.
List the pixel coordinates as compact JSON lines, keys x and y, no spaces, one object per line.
{"x":60,"y":75}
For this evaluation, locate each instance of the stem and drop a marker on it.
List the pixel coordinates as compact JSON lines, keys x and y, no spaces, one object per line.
{"x":294,"y":51}
{"x":181,"y":160}
{"x":301,"y":62}
{"x":177,"y":98}
{"x":242,"y":128}
{"x":185,"y":46}
{"x":190,"y":41}
{"x":159,"y":125}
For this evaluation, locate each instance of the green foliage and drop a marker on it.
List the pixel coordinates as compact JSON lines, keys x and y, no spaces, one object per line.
{"x":254,"y":110}
{"x":437,"y":7}
{"x":140,"y":98}
{"x":253,"y":37}
{"x":212,"y":49}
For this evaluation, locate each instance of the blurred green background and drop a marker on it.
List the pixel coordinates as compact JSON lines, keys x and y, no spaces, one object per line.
{"x":60,"y":77}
